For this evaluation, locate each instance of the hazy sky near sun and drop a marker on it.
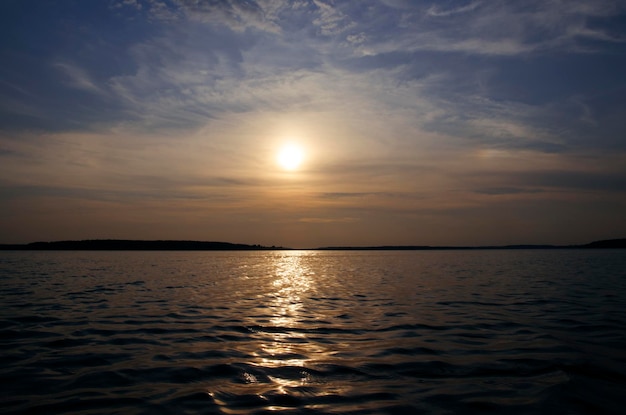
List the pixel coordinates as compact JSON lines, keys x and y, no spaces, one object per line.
{"x":420,"y":122}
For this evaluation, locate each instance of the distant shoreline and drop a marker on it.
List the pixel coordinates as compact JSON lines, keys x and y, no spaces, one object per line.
{"x":169,"y":245}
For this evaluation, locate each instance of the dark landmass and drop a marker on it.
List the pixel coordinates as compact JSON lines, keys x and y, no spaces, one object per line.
{"x":610,"y":243}
{"x":134,"y":245}
{"x":606,"y":244}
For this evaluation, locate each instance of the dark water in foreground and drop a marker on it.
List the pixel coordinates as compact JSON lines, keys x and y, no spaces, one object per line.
{"x":313,"y":332}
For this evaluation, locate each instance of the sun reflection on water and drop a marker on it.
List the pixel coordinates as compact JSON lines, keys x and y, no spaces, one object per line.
{"x":288,"y":344}
{"x":286,"y":352}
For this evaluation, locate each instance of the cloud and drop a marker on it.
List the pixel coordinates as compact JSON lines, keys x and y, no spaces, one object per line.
{"x":78,"y":78}
{"x":127,"y":3}
{"x":496,"y":28}
{"x":238,"y":15}
{"x":496,"y":191}
{"x":342,"y":195}
{"x":330,"y":20}
{"x":9,"y":153}
{"x":593,"y":181}
{"x":416,"y":114}
{"x":329,"y":220}
{"x":202,"y":59}
{"x":436,"y":11}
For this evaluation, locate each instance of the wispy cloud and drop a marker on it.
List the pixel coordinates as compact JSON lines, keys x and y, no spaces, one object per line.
{"x":78,"y":78}
{"x":506,"y":190}
{"x":437,"y":11}
{"x":408,"y":109}
{"x":328,"y":220}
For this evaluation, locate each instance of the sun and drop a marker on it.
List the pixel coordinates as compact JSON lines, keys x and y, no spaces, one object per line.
{"x":290,"y":156}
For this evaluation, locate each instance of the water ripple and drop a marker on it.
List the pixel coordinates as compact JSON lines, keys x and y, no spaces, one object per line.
{"x":311,"y":332}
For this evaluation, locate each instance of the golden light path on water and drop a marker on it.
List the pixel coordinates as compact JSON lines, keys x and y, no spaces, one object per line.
{"x":283,"y":350}
{"x":315,"y":332}
{"x":293,"y":280}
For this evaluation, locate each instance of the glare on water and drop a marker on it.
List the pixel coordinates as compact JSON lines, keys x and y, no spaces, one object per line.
{"x":340,"y":332}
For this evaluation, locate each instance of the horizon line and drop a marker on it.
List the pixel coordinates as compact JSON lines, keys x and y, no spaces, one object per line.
{"x":171,"y":244}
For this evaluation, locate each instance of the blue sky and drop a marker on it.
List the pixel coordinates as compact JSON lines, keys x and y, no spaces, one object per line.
{"x":449,"y":122}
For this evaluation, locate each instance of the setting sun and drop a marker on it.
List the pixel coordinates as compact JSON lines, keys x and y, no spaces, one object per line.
{"x":290,"y":156}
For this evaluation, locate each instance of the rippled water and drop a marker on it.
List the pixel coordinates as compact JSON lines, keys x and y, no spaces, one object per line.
{"x":313,"y":332}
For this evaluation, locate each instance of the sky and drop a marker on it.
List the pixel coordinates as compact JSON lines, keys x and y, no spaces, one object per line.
{"x":419,"y":122}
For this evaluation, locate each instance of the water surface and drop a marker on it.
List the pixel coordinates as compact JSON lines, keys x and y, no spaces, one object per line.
{"x":359,"y":332}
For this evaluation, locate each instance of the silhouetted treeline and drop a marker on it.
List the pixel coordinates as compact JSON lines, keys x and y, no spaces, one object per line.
{"x":132,"y":245}
{"x":607,"y":244}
